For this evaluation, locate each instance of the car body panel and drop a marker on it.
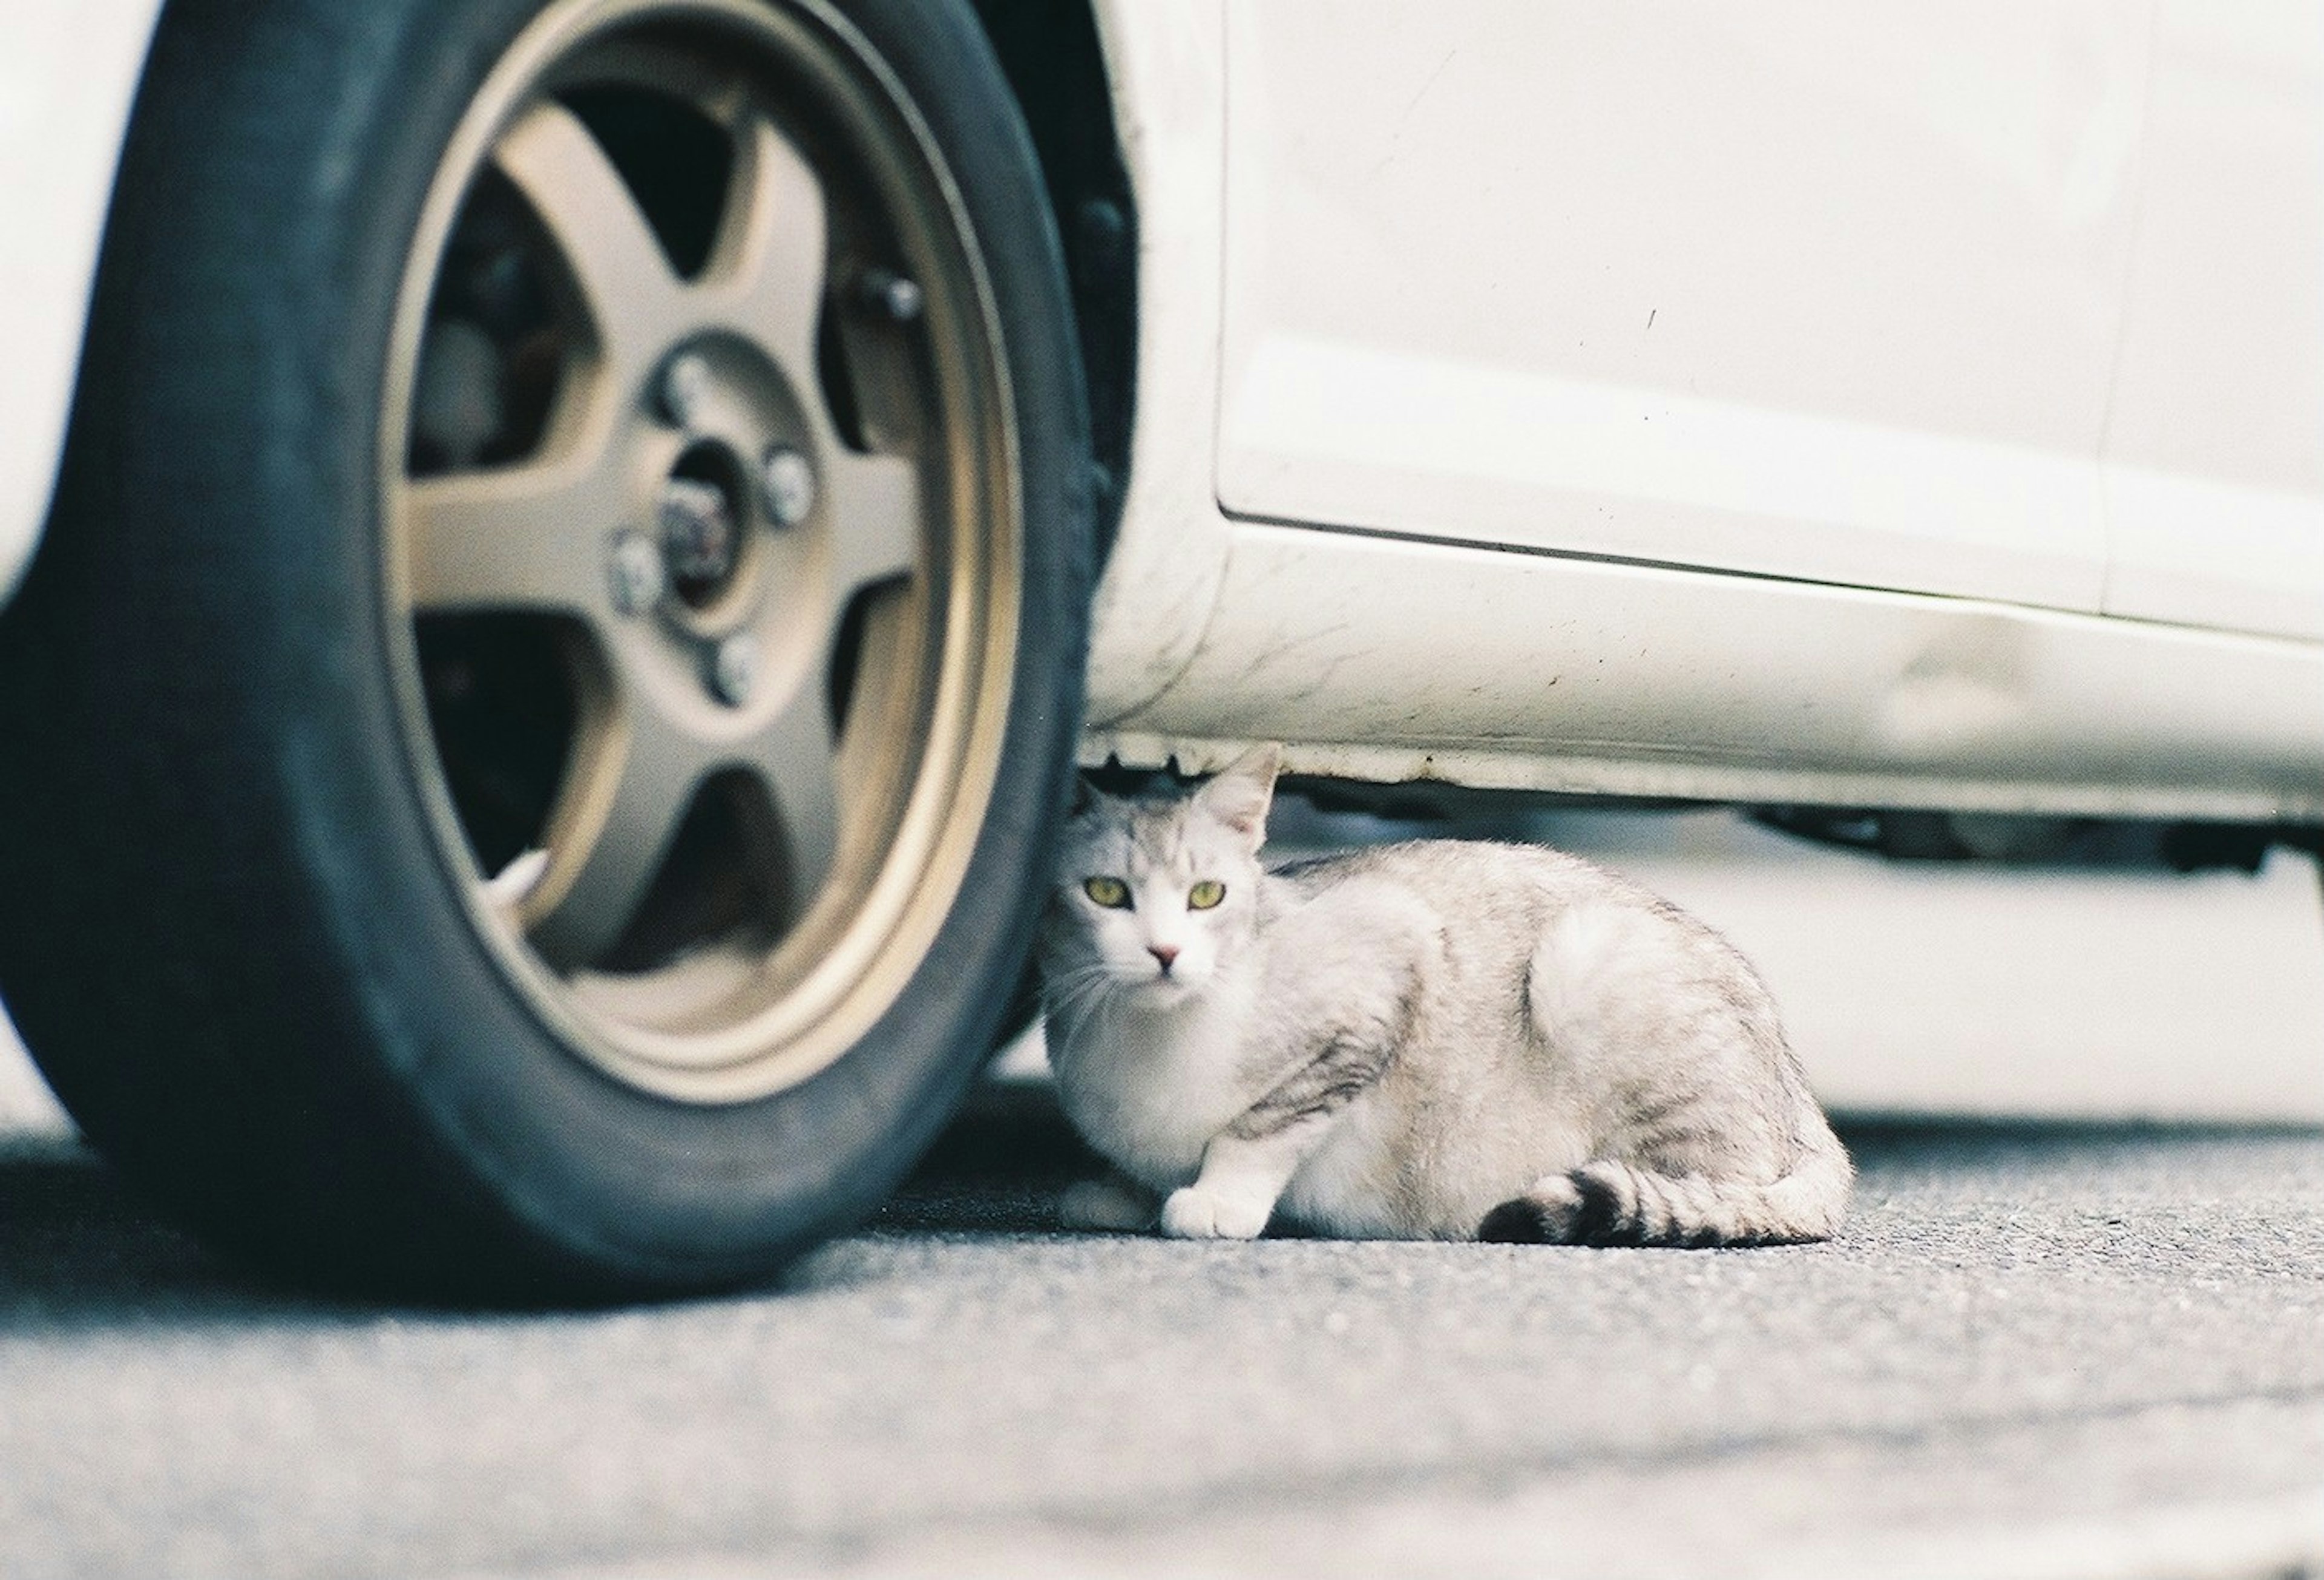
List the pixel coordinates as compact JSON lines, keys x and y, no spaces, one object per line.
{"x":2215,"y":437}
{"x":68,"y":73}
{"x":1798,"y":288}
{"x":1391,"y":657}
{"x":1163,"y":575}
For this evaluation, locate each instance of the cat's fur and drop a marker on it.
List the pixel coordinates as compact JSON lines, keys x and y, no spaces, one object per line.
{"x":1441,"y":1039}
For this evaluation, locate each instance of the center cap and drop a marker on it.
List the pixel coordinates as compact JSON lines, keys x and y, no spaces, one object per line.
{"x":701,"y":540}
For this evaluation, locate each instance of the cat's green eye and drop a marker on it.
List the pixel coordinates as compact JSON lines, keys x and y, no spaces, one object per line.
{"x":1110,"y":892}
{"x":1205,"y":894}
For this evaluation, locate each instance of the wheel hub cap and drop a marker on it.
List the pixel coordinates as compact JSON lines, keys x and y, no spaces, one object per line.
{"x":700,"y":542}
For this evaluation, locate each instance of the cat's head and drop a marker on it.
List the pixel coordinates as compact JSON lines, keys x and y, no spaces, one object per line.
{"x":1155,"y":893}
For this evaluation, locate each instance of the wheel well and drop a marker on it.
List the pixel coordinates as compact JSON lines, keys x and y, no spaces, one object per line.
{"x":1049,"y":51}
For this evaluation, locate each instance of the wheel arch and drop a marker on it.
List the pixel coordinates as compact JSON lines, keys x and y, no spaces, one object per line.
{"x":1050,"y":52}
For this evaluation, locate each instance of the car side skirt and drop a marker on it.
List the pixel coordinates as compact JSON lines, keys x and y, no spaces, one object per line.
{"x":1395,"y":660}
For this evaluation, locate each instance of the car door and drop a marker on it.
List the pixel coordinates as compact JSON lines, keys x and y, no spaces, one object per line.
{"x":1805,"y":289}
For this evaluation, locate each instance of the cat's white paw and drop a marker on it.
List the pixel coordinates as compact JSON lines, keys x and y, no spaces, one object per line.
{"x":1106,"y":1206}
{"x":1195,"y":1213}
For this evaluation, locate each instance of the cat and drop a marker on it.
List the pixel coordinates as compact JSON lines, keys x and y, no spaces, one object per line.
{"x":1442,"y":1039}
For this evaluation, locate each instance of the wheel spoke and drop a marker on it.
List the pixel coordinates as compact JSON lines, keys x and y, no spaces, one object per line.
{"x":875,"y":518}
{"x":768,"y":265}
{"x":593,"y":220}
{"x":611,"y":832}
{"x":796,"y":759}
{"x":527,"y":537}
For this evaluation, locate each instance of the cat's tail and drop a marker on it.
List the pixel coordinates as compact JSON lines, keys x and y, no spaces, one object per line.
{"x":1610,"y":1203}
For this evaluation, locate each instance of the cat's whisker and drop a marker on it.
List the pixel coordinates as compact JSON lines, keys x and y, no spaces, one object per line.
{"x":1066,"y":987}
{"x":1075,"y":996}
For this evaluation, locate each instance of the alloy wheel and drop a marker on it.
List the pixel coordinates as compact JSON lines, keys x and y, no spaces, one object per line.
{"x":702,"y":553}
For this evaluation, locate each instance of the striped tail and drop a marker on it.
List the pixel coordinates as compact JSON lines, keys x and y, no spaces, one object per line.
{"x":1610,"y":1203}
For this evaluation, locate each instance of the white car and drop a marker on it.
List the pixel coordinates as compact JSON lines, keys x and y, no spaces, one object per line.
{"x":580,"y":541}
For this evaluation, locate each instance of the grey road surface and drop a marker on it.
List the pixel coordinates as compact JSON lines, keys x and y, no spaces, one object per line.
{"x":2061,"y":1350}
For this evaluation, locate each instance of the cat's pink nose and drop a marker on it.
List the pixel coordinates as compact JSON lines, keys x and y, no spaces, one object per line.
{"x":1165,"y":953}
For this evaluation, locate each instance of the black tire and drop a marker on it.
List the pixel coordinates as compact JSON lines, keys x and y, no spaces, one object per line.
{"x":237,"y":935}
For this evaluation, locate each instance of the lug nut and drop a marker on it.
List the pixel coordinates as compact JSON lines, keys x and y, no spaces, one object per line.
{"x":685,"y":380}
{"x":786,"y":485}
{"x":735,"y":668}
{"x":635,"y":568}
{"x":889,"y":295}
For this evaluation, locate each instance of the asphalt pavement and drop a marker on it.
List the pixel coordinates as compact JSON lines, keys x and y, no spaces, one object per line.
{"x":2064,"y":1348}
{"x":2068,"y":1350}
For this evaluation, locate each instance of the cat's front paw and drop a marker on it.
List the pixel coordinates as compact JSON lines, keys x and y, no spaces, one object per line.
{"x":1195,"y":1213}
{"x":1107,"y":1205}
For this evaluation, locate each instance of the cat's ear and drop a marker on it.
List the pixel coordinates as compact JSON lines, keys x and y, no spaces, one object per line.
{"x":1240,"y":795}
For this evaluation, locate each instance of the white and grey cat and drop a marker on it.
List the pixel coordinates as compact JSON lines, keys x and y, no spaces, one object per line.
{"x":1443,"y":1039}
